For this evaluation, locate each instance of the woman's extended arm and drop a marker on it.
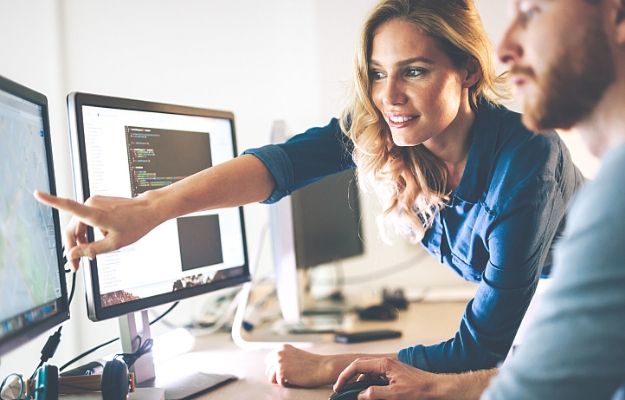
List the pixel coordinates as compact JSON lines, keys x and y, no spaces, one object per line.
{"x":123,"y":221}
{"x":264,"y":174}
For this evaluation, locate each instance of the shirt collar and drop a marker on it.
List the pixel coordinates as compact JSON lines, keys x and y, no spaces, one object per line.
{"x":483,"y":133}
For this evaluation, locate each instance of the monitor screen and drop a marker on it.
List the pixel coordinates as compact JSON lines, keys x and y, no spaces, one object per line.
{"x":317,"y":224}
{"x":33,"y":296}
{"x":326,"y":220}
{"x":126,"y":147}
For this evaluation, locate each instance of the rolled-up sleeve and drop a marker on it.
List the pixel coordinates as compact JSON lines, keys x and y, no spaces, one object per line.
{"x":518,"y":243}
{"x":305,"y":158}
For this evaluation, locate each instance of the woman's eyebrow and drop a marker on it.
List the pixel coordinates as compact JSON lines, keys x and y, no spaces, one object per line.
{"x":406,"y":61}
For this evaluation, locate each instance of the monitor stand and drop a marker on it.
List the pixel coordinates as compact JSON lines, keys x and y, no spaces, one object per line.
{"x":132,"y":334}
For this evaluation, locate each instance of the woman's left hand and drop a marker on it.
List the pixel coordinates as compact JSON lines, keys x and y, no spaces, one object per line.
{"x":404,"y":381}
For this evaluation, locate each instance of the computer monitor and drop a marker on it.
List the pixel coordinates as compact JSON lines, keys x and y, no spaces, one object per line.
{"x":318,"y":224}
{"x":326,"y":221}
{"x":123,"y":147}
{"x":33,"y":296}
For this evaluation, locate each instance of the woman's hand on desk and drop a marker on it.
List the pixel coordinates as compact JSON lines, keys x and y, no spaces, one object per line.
{"x":291,"y":366}
{"x":121,"y":221}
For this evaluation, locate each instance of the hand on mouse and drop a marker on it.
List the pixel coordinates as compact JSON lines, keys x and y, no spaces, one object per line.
{"x":405,"y":381}
{"x":291,"y":366}
{"x":408,"y":382}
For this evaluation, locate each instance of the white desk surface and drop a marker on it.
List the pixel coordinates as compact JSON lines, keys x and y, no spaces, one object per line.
{"x":423,"y":323}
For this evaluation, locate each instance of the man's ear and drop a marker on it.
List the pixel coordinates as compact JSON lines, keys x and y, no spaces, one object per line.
{"x":474,"y":72}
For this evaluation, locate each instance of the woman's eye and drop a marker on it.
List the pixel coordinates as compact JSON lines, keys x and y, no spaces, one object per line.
{"x":376,"y":75}
{"x":415,"y":72}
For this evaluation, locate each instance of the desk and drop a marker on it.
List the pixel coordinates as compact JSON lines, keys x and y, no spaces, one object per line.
{"x":422,"y":323}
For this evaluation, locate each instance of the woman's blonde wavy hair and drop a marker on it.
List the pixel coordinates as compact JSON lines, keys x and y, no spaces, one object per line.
{"x":411,"y":182}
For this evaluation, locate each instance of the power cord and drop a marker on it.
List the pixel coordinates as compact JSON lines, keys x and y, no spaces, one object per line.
{"x":142,"y":348}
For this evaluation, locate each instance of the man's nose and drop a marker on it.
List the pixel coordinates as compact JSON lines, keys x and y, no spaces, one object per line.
{"x":509,"y":49}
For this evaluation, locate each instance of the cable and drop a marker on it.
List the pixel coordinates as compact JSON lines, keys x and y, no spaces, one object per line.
{"x":71,"y":292}
{"x":142,"y":348}
{"x":86,"y":353}
{"x":48,"y":350}
{"x":98,"y":347}
{"x":165,"y":313}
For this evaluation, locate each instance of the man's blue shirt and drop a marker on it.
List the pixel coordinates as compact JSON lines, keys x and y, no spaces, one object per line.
{"x":497,"y":229}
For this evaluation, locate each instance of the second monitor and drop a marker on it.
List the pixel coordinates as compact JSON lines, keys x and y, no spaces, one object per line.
{"x":123,"y":148}
{"x":318,"y":224}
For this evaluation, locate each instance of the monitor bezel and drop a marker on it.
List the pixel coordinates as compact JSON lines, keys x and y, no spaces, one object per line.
{"x":18,"y":338}
{"x":75,"y":102}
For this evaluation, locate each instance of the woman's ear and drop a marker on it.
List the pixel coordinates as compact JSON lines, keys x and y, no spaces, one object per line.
{"x":473,"y":73}
{"x":618,"y":20}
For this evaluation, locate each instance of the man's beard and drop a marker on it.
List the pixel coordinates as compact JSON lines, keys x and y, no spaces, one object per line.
{"x":572,"y":85}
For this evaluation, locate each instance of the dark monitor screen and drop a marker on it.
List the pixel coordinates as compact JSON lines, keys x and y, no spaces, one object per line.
{"x":318,"y":224}
{"x":326,"y":220}
{"x":123,"y":147}
{"x":33,"y":295}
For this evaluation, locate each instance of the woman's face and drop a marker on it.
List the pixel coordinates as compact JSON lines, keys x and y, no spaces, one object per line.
{"x":414,"y":84}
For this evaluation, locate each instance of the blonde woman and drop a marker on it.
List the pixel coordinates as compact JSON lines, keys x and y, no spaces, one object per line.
{"x":453,"y":170}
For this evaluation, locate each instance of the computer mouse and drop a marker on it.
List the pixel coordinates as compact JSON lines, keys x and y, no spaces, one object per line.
{"x":351,"y":390}
{"x":378,"y":312}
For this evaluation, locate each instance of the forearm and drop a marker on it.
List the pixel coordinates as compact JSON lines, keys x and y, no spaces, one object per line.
{"x":240,"y":181}
{"x":465,"y":386}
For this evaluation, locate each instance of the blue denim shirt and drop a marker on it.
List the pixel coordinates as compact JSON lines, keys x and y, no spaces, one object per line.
{"x":497,"y":229}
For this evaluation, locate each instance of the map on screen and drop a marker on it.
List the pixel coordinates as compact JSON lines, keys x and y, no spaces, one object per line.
{"x":27,"y":241}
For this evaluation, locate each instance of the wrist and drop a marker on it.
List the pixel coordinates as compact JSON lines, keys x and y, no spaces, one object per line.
{"x":156,"y":206}
{"x":438,"y":387}
{"x":445,"y":386}
{"x":464,"y":386}
{"x":333,"y":366}
{"x":330,"y":368}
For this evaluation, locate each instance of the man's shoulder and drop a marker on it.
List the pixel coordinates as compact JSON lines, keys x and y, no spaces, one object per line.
{"x":596,"y":220}
{"x":602,"y":197}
